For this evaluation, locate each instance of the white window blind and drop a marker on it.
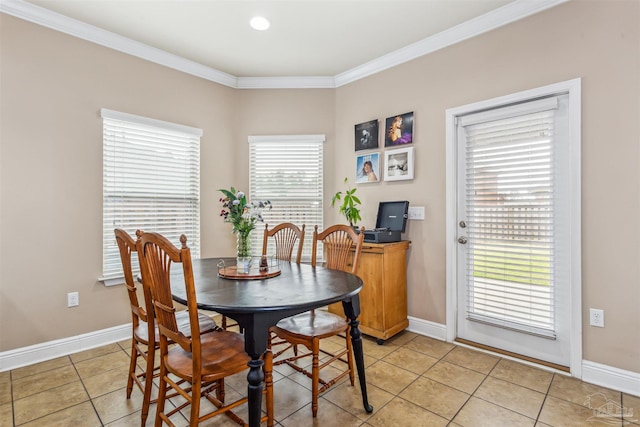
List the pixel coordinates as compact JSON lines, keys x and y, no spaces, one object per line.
{"x":287,"y":170}
{"x":151,"y":181}
{"x":510,"y":212}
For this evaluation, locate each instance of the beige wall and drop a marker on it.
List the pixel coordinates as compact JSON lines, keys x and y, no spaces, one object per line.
{"x":285,"y":112}
{"x":50,"y":158}
{"x":597,"y":41}
{"x":53,"y":87}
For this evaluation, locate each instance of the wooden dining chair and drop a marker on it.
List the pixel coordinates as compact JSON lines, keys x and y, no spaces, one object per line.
{"x":202,"y":361}
{"x":342,"y":246}
{"x":144,"y":327}
{"x":285,"y":237}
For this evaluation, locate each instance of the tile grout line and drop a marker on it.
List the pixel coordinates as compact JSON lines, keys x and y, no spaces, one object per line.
{"x":361,"y":422}
{"x":84,"y":386}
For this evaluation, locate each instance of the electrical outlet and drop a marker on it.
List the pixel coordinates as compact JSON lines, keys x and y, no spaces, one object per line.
{"x":73,"y":299}
{"x":415,"y":212}
{"x":596,"y":317}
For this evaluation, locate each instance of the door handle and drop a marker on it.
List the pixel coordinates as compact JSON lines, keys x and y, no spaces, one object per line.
{"x":462,"y":240}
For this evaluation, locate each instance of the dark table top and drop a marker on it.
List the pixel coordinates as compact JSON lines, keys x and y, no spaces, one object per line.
{"x":299,"y":287}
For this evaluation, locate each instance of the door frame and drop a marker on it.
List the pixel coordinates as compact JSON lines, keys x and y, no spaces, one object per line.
{"x":573,"y":88}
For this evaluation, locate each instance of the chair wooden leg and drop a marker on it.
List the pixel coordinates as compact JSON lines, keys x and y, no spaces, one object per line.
{"x":148,"y":382}
{"x":132,"y":367}
{"x":268,"y":381}
{"x":220,"y":394}
{"x":347,"y":336}
{"x":196,"y":395}
{"x":162,"y":392}
{"x":315,"y":376}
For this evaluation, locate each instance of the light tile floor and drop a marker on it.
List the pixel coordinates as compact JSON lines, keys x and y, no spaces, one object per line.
{"x":412,"y":380}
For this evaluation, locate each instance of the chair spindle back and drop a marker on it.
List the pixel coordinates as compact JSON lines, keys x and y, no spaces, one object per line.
{"x":338,"y":241}
{"x":157,"y":254}
{"x":285,"y":236}
{"x":127,"y":246}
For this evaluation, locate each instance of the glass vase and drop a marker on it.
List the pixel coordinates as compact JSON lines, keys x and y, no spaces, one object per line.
{"x":243,"y":252}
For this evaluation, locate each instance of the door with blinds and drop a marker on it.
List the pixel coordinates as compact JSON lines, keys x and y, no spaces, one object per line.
{"x":513,"y":291}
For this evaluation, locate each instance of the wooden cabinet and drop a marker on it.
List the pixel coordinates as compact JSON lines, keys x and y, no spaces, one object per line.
{"x":383,"y":299}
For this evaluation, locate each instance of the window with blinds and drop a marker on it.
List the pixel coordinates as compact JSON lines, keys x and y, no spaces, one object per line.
{"x":509,"y":200}
{"x":287,"y":170}
{"x":151,"y":181}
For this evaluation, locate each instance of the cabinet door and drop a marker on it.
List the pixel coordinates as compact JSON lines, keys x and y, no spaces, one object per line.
{"x":394,"y":278}
{"x":383,"y":299}
{"x":372,"y":304}
{"x":370,"y":271}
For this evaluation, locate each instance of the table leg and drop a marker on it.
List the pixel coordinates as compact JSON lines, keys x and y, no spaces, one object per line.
{"x":255,"y":377}
{"x":256,"y":332}
{"x":352,"y":310}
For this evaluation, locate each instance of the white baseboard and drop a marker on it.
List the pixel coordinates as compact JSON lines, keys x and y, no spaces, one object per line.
{"x":36,"y":353}
{"x":610,"y":377}
{"x":594,"y":373}
{"x":425,"y":327}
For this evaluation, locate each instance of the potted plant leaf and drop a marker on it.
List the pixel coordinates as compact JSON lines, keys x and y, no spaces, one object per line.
{"x":350,"y":202}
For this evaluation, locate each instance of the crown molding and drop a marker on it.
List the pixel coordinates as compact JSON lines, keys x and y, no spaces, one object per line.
{"x":317,"y":82}
{"x":502,"y":16}
{"x":55,"y":21}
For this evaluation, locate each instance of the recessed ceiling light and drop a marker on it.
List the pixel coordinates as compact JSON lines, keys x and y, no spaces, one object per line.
{"x":259,"y":23}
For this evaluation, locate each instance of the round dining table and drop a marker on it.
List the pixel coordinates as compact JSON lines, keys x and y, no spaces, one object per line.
{"x":258,"y":303}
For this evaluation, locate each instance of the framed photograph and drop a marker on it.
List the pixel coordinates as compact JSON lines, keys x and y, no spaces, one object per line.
{"x":368,"y":168}
{"x":398,"y":130}
{"x":366,"y":135}
{"x":398,"y":164}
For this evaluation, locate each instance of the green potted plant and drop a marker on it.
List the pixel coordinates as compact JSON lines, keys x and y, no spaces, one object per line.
{"x":243,"y":216}
{"x":349,"y":207}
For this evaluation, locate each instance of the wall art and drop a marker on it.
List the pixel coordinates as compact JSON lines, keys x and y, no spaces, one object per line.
{"x":366,"y":135}
{"x":398,"y":164}
{"x":399,"y":130}
{"x":368,"y":168}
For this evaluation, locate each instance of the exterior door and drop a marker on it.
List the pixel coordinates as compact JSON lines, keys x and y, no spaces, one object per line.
{"x":513,"y":240}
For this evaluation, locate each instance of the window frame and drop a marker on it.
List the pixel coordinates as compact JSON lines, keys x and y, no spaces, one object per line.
{"x":269,"y":216}
{"x":166,"y":180}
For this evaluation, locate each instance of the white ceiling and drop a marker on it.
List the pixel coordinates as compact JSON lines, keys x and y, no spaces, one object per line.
{"x":307,"y":38}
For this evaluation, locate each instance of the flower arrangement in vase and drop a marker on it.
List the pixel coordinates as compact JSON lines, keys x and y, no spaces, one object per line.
{"x":243,"y":217}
